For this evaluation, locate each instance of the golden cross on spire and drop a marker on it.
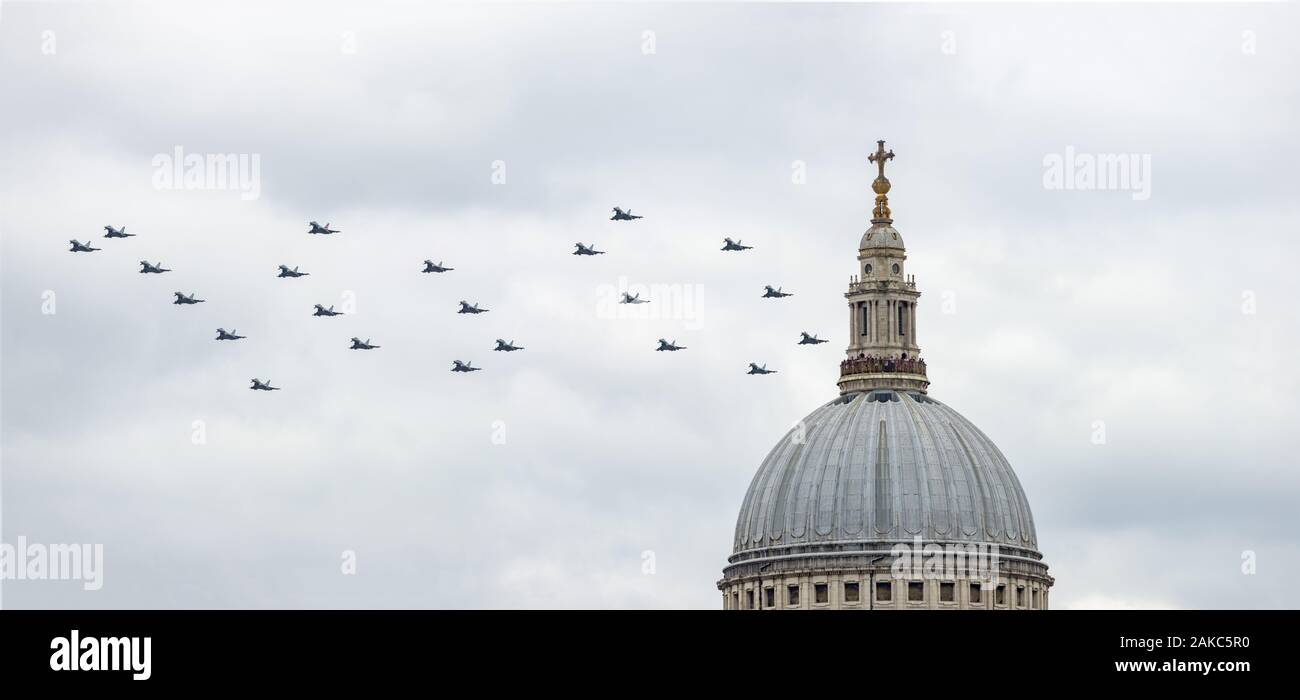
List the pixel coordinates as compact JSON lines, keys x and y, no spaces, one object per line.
{"x":880,"y":156}
{"x":881,"y":184}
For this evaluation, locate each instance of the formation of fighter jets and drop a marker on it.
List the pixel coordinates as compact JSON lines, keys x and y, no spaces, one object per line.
{"x":581,"y":249}
{"x":619,"y":215}
{"x":109,"y":232}
{"x":728,"y":245}
{"x":315,"y":228}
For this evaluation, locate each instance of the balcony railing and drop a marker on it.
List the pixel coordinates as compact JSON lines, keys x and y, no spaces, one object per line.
{"x":858,"y":285}
{"x":881,"y":365}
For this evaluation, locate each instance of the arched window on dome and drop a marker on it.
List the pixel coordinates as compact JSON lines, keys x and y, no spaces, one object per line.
{"x":895,"y":268}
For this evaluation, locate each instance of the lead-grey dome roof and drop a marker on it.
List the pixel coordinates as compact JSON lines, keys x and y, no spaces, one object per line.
{"x":881,"y":236}
{"x":884,"y":466}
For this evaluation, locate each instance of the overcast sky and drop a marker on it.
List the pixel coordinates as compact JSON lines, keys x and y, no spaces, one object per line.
{"x":543,"y":480}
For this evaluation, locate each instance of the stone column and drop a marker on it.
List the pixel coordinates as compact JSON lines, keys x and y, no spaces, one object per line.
{"x":891,"y":328}
{"x":882,"y":332}
{"x":912,"y":333}
{"x":853,"y":324}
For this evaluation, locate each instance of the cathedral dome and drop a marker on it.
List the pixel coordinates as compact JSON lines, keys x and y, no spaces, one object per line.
{"x":849,"y":503}
{"x":885,"y":500}
{"x":874,"y":468}
{"x":881,"y":235}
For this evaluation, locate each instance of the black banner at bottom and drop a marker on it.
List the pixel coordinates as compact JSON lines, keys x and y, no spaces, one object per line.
{"x":212,"y":648}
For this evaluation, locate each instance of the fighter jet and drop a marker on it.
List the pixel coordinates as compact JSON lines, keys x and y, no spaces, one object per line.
{"x":116,"y":232}
{"x":620,"y":215}
{"x":429,"y":266}
{"x":503,"y":346}
{"x":458,"y":366}
{"x":260,"y":385}
{"x":466,"y":308}
{"x":633,"y":299}
{"x":79,"y":247}
{"x":810,"y":339}
{"x":232,"y":335}
{"x":670,"y":347}
{"x":358,"y":345}
{"x":286,"y":272}
{"x":728,"y":244}
{"x":317,"y":228}
{"x":182,"y":299}
{"x":755,"y":369}
{"x":158,"y":269}
{"x":587,"y":250}
{"x":775,"y":293}
{"x":322,"y":311}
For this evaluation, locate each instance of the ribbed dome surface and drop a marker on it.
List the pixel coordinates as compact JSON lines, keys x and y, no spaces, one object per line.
{"x":884,"y":466}
{"x":881,"y":236}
